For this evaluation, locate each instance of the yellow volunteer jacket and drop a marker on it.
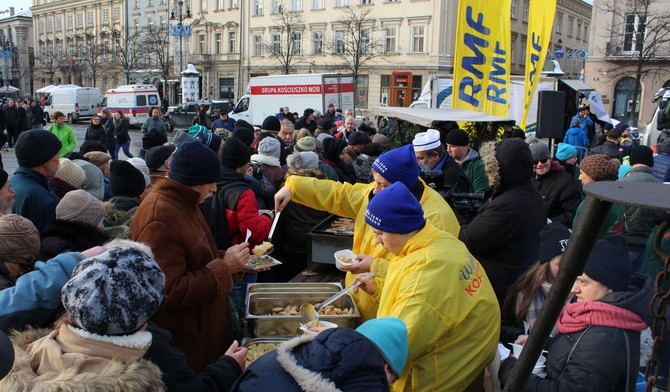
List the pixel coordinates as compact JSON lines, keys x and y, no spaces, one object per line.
{"x":350,"y":201}
{"x":447,"y":302}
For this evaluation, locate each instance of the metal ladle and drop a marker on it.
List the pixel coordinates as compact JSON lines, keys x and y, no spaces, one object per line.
{"x":310,"y":313}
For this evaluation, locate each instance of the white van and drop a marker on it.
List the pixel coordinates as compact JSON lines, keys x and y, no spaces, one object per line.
{"x":77,"y":103}
{"x":133,"y":100}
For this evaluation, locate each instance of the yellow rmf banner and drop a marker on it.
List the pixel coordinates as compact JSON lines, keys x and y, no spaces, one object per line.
{"x":540,"y":24}
{"x":482,"y":65}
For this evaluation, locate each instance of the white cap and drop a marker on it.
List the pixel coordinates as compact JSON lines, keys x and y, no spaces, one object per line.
{"x":425,"y":141}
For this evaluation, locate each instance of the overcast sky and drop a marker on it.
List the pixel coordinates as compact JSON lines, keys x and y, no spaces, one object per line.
{"x":17,"y":4}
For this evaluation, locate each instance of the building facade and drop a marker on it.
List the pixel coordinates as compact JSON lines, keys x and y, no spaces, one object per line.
{"x":16,"y":52}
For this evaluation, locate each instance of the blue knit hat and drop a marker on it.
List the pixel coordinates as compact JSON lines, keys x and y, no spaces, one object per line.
{"x":398,"y":165}
{"x":193,"y":163}
{"x":209,"y":139}
{"x":565,"y":151}
{"x":395,"y":210}
{"x":389,"y":334}
{"x":609,"y":263}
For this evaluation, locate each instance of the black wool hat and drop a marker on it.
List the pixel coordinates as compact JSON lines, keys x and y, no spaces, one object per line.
{"x":271,"y":124}
{"x":245,"y":134}
{"x":234,"y":153}
{"x":153,"y":138}
{"x":243,"y":124}
{"x":609,"y":263}
{"x":36,"y":147}
{"x":358,"y":138}
{"x":193,"y":163}
{"x":125,"y":179}
{"x":553,"y":241}
{"x":157,"y":156}
{"x":642,"y":155}
{"x":325,"y":123}
{"x":3,"y":178}
{"x":307,"y":112}
{"x":457,"y":137}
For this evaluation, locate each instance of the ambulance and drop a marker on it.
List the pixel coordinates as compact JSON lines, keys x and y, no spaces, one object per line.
{"x":133,"y":100}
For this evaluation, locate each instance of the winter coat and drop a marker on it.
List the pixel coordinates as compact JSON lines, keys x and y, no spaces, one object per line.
{"x":154,"y":123}
{"x":598,"y":361}
{"x":613,"y":220}
{"x":34,"y":198}
{"x":227,"y":124}
{"x":638,"y":222}
{"x":38,"y":115}
{"x":449,"y":176}
{"x":68,"y":359}
{"x":197,"y":310}
{"x":561,"y":194}
{"x":335,"y":360}
{"x":474,"y":168}
{"x":66,"y":136}
{"x":576,"y":136}
{"x":608,"y":148}
{"x":96,"y":133}
{"x":351,"y":201}
{"x":505,"y":234}
{"x":12,"y":118}
{"x":449,"y":307}
{"x":35,"y":298}
{"x":67,"y":236}
{"x":110,"y":143}
{"x":121,"y":135}
{"x":7,"y":279}
{"x":202,"y":119}
{"x":302,"y":123}
{"x":661,"y":169}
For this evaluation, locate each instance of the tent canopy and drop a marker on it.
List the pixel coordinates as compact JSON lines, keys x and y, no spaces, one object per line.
{"x":8,"y":89}
{"x":426,"y":116}
{"x":577,"y":85}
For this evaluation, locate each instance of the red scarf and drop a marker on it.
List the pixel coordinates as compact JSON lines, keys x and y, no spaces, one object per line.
{"x":578,"y":316}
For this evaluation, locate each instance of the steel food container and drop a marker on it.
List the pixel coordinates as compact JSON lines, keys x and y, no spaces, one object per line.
{"x":270,"y":343}
{"x":325,"y":244}
{"x":311,"y":287}
{"x":262,"y":323}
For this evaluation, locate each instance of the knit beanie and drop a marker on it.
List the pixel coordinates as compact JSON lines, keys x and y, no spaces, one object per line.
{"x":457,"y":137}
{"x":271,"y":124}
{"x":180,"y":137}
{"x":539,"y":151}
{"x":642,"y":155}
{"x":194,"y":164}
{"x":379,"y":139}
{"x":332,"y":148}
{"x":565,"y":151}
{"x":19,"y":240}
{"x":303,"y":160}
{"x":244,"y":133}
{"x":114,"y":293}
{"x":153,"y":138}
{"x":80,"y":206}
{"x":98,"y":158}
{"x":307,"y":143}
{"x":389,"y":334}
{"x":398,"y":165}
{"x":35,"y":147}
{"x":553,"y":241}
{"x":621,"y":127}
{"x":235,"y":153}
{"x":70,"y":173}
{"x":358,"y":138}
{"x":307,"y":112}
{"x":270,"y":147}
{"x":323,"y":136}
{"x":156,"y":156}
{"x":95,"y":181}
{"x":395,"y":210}
{"x":209,"y":139}
{"x":125,"y":179}
{"x":141,"y":165}
{"x":609,"y":263}
{"x":3,"y":178}
{"x":426,"y":141}
{"x":195,"y":128}
{"x":599,"y":167}
{"x":325,"y":123}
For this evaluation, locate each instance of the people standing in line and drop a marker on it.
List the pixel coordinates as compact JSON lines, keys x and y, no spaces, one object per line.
{"x":307,"y":120}
{"x":34,"y":198}
{"x":440,"y":171}
{"x":201,"y":118}
{"x":13,"y":119}
{"x":457,"y":142}
{"x":154,"y":121}
{"x":63,"y":133}
{"x":96,"y":130}
{"x":121,"y":135}
{"x":37,"y":115}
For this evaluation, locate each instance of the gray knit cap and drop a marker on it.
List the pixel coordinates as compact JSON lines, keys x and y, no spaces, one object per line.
{"x":80,"y":206}
{"x":19,"y":240}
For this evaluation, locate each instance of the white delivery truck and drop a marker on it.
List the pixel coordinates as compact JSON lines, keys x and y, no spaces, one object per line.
{"x":660,"y":121}
{"x":266,"y":94}
{"x":437,"y":93}
{"x":133,"y":100}
{"x":77,"y":103}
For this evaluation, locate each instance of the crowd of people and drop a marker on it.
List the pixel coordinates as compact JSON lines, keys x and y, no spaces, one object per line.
{"x":130,"y":274}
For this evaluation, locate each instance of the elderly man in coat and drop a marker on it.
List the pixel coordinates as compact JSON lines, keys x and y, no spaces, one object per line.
{"x":199,"y":277}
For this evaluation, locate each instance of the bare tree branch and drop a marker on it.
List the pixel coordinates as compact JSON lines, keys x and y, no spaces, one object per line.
{"x":156,"y":43}
{"x":288,"y":27}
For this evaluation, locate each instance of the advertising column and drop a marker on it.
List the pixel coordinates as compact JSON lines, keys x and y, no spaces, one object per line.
{"x":190,"y":86}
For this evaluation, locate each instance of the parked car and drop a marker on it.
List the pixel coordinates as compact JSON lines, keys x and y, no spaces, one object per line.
{"x":182,"y":115}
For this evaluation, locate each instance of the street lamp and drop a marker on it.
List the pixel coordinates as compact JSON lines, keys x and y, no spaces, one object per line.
{"x":180,"y":30}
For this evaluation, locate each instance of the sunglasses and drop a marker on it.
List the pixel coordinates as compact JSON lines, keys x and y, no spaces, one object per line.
{"x":542,"y":161}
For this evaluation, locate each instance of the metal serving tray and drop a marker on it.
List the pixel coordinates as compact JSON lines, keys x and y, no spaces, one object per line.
{"x":325,"y":244}
{"x":250,"y":343}
{"x":261,"y":322}
{"x":311,"y":287}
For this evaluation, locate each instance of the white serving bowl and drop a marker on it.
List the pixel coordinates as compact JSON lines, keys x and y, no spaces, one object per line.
{"x":344,"y":253}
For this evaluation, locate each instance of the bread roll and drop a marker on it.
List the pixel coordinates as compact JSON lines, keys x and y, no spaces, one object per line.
{"x":264,"y":248}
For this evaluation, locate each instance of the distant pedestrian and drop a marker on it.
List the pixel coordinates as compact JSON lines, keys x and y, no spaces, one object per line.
{"x":63,"y":133}
{"x":121,"y":136}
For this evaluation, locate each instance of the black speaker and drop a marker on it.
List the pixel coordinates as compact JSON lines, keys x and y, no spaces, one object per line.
{"x":550,"y":115}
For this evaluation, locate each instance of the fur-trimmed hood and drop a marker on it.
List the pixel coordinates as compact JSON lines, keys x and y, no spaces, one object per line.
{"x":507,"y":164}
{"x":133,"y":376}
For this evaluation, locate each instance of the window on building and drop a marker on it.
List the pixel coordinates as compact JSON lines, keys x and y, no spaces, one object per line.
{"x":317,"y":42}
{"x":418,"y":39}
{"x":341,"y":3}
{"x":366,"y":41}
{"x":150,"y":3}
{"x":257,"y":8}
{"x":203,"y":5}
{"x":318,"y":4}
{"x":59,"y":23}
{"x":340,"y":41}
{"x":80,"y":20}
{"x":365,"y":2}
{"x":105,"y":15}
{"x":232,"y":42}
{"x":161,"y":21}
{"x":634,"y":31}
{"x":234,"y":4}
{"x":41,"y":26}
{"x":559,"y":23}
{"x":258,"y":45}
{"x":362,"y":91}
{"x":275,"y":43}
{"x":579,"y":30}
{"x":571,"y":26}
{"x":226,"y":88}
{"x":116,"y":14}
{"x":89,"y":18}
{"x":105,"y":48}
{"x":220,"y":5}
{"x":385,"y":83}
{"x":296,"y":5}
{"x":201,"y":44}
{"x":586,"y":32}
{"x":69,"y":21}
{"x":390,"y":39}
{"x":137,"y":4}
{"x":217,"y":43}
{"x":526,"y":6}
{"x":513,"y":8}
{"x":296,"y":43}
{"x":522,"y":53}
{"x":276,"y":6}
{"x":49,"y":25}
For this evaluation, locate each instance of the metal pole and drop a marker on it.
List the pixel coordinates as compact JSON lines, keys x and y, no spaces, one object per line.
{"x":582,"y":240}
